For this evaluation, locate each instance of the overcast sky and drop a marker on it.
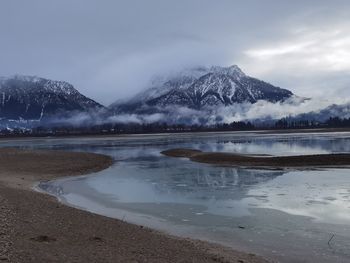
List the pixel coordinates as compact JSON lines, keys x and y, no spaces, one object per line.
{"x":109,"y":49}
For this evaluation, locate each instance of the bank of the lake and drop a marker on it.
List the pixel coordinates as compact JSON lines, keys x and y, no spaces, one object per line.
{"x":35,"y":227}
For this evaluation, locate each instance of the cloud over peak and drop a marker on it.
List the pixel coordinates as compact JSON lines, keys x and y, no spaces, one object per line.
{"x":111,"y":49}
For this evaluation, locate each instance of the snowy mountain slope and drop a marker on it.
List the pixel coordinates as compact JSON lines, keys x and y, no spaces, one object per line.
{"x":27,"y":97}
{"x":200,"y":88}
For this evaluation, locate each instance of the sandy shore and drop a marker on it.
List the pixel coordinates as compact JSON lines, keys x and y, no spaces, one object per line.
{"x":262,"y":161}
{"x":34,"y":227}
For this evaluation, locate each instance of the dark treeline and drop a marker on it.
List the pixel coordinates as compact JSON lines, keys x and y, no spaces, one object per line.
{"x":146,"y":128}
{"x":126,"y":129}
{"x":338,"y":123}
{"x":62,"y":130}
{"x":333,"y":122}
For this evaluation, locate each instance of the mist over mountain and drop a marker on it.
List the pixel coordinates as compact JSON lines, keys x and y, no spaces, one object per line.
{"x":197,"y":96}
{"x":341,"y":111}
{"x":200,"y":89}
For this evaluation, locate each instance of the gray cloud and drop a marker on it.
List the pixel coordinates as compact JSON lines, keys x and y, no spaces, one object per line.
{"x":110,"y":49}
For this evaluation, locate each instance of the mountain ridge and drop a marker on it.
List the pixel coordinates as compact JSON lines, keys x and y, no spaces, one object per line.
{"x":33,"y":98}
{"x":203,"y":87}
{"x":202,"y":95}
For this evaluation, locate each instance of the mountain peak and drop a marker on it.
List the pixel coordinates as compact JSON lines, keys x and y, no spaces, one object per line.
{"x":233,"y":70}
{"x":31,"y":97}
{"x":203,"y":87}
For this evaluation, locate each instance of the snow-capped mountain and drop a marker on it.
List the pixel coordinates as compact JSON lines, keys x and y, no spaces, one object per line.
{"x":34,"y":98}
{"x":202,"y":87}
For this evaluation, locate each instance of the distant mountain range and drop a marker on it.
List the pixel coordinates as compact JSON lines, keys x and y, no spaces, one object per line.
{"x":201,"y":88}
{"x":334,"y":110}
{"x":33,"y":98}
{"x":202,"y":95}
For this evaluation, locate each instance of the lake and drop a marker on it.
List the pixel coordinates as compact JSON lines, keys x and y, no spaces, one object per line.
{"x":284,"y":215}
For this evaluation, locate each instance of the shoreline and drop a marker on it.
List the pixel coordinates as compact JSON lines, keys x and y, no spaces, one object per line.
{"x":36,"y":227}
{"x":94,"y":135}
{"x":262,"y":161}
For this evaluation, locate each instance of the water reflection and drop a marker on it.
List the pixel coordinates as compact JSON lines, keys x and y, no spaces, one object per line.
{"x":321,"y":195}
{"x":256,"y":143}
{"x":168,"y":182}
{"x":292,"y":212}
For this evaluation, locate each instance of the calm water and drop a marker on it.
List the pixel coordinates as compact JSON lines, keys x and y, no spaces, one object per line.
{"x":285,"y":215}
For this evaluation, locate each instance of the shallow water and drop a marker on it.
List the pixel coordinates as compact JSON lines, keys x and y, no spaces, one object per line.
{"x":284,"y":215}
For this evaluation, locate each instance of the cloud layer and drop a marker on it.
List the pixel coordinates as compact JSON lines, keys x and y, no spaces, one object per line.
{"x":260,"y":112}
{"x":109,"y":50}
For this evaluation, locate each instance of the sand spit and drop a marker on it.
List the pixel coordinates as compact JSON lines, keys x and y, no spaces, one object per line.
{"x":262,"y":161}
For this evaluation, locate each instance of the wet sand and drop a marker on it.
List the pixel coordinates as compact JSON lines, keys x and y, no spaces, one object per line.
{"x":262,"y":161}
{"x":35,"y":227}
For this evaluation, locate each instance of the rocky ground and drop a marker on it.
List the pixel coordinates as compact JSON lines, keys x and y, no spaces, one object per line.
{"x":7,"y":215}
